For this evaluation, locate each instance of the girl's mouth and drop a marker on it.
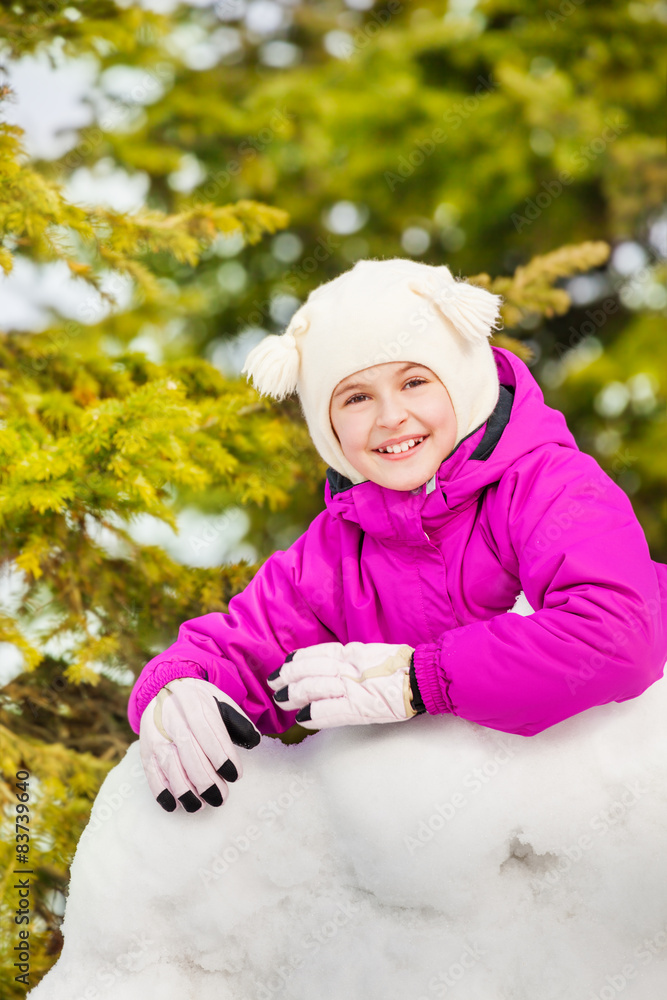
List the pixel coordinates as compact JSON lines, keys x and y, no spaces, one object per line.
{"x":411,"y":446}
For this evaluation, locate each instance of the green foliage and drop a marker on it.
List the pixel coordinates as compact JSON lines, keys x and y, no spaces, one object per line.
{"x":35,"y":215}
{"x":532,"y":288}
{"x":89,"y":442}
{"x":82,"y":27}
{"x":627,"y":425}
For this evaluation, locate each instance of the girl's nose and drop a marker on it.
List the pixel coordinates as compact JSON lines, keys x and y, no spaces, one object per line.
{"x":391,"y":411}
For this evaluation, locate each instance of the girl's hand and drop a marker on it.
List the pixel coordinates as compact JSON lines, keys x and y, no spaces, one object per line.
{"x":188,"y":738}
{"x":346,"y":685}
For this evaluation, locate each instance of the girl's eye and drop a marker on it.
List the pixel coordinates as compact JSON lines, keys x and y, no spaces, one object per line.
{"x":417,"y":380}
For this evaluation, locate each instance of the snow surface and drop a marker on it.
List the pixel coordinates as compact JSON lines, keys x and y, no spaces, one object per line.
{"x":418,"y":860}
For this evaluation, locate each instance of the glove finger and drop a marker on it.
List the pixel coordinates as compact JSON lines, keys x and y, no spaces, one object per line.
{"x":314,"y":688}
{"x":157,"y":781}
{"x":201,"y":774}
{"x":203,"y":718}
{"x":169,"y":761}
{"x":328,"y":713}
{"x":197,"y":767}
{"x":166,"y":797}
{"x":152,"y":744}
{"x":310,"y":666}
{"x":241,"y":730}
{"x":324,"y":650}
{"x":218,"y":722}
{"x":327,"y":650}
{"x":357,"y":707}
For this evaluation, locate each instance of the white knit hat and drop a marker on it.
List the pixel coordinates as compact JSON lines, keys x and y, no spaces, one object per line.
{"x":380,"y":311}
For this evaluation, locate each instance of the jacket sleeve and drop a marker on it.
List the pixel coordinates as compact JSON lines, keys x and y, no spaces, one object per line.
{"x":276,"y":613}
{"x":597,"y":633}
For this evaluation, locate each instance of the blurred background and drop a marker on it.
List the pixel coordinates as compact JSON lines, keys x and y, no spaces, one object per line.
{"x":174,"y":180}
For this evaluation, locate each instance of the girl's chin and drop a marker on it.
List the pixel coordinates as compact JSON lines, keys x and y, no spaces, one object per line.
{"x":397,"y":478}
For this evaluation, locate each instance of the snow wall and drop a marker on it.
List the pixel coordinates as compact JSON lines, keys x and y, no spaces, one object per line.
{"x":432,"y":858}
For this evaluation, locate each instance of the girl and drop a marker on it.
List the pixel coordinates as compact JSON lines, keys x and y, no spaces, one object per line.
{"x":451,"y":488}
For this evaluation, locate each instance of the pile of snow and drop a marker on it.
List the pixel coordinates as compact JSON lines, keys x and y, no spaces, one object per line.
{"x":404,"y":862}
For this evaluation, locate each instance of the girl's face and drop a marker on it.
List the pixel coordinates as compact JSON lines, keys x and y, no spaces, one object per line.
{"x":393,"y":404}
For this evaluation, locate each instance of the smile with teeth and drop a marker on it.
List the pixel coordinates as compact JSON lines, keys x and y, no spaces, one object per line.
{"x":396,"y":449}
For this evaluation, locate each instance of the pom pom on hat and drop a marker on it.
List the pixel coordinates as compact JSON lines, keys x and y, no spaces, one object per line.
{"x":473,"y":312}
{"x":274,"y":363}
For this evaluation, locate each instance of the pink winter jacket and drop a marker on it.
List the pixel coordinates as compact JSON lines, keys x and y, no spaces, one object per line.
{"x":516,"y":507}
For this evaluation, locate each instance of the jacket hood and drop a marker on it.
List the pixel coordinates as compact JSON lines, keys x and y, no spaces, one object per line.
{"x":520,"y":422}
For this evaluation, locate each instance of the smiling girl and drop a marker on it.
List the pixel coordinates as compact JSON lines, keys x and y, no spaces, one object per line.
{"x":451,"y":489}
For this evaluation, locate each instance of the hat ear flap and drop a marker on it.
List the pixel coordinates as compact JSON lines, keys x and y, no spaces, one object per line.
{"x":472,"y":311}
{"x":273,"y":364}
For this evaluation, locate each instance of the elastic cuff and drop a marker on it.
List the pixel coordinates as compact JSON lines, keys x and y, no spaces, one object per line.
{"x":168,"y":670}
{"x":431,"y":682}
{"x":416,"y":700}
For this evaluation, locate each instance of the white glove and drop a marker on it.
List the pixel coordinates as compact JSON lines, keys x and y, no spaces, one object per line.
{"x":347,"y":685}
{"x":188,"y":738}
